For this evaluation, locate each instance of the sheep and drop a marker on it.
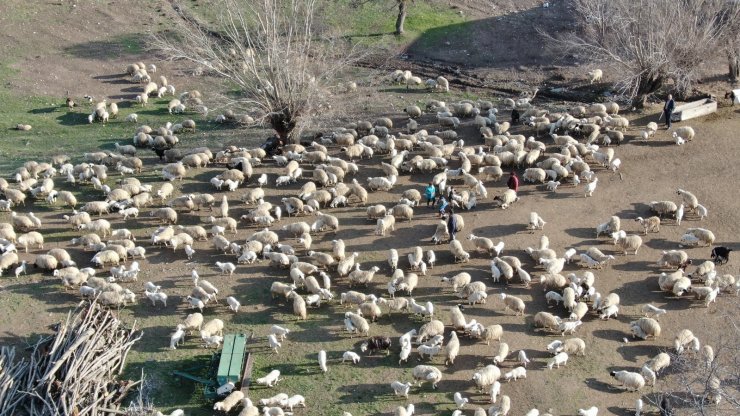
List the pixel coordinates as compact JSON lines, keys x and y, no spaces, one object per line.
{"x":358,"y":276}
{"x":423,"y":373}
{"x":514,"y":303}
{"x":559,"y":358}
{"x":156,"y":296}
{"x":627,"y":243}
{"x":702,"y":235}
{"x":516,"y":373}
{"x":683,"y":338}
{"x":594,"y":76}
{"x":506,"y":199}
{"x":684,"y":133}
{"x":674,"y":258}
{"x":591,"y":411}
{"x":663,"y":208}
{"x":645,"y":328}
{"x":177,"y":337}
{"x":270,"y":379}
{"x":458,"y":253}
{"x":430,"y":329}
{"x":401,"y":389}
{"x":486,"y":376}
{"x":225,"y":405}
{"x":226,"y":267}
{"x":651,"y":224}
{"x":322,"y":361}
{"x":630,"y":380}
{"x":482,"y":244}
{"x":546,"y":320}
{"x":385,"y":224}
{"x":167,"y":215}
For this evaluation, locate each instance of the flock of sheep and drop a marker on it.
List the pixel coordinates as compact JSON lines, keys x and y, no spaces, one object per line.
{"x":559,"y":148}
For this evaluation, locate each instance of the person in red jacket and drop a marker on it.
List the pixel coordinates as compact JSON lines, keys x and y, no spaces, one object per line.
{"x":513,"y":182}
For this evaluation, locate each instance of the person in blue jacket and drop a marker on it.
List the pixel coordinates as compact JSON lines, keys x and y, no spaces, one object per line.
{"x":443,"y":204}
{"x":430,"y":192}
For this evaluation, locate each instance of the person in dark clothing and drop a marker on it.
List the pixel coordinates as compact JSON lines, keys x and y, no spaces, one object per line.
{"x":451,"y":224}
{"x":668,"y":108}
{"x":513,"y":182}
{"x":272,"y":145}
{"x":514,"y":116}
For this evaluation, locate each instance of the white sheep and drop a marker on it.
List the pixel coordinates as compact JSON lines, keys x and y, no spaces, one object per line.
{"x":630,"y":380}
{"x":591,"y":411}
{"x":270,"y":379}
{"x":559,"y":358}
{"x":226,"y":268}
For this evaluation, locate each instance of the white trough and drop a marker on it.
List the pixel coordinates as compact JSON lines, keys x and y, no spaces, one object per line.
{"x":694,"y":109}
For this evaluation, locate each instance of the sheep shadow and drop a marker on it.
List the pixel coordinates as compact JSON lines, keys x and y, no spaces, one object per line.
{"x":44,"y":110}
{"x":610,"y":334}
{"x":364,"y":393}
{"x":601,"y":386}
{"x":582,"y":233}
{"x":72,"y":119}
{"x":620,"y":411}
{"x":632,"y":352}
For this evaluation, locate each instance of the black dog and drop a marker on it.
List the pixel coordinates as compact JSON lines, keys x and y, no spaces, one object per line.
{"x":721,"y":254}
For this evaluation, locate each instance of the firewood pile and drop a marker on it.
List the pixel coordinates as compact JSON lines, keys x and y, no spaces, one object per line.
{"x":73,"y":371}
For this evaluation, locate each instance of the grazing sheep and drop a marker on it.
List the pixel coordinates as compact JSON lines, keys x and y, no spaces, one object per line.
{"x":645,"y":328}
{"x":630,"y":380}
{"x":486,"y":376}
{"x":423,"y":373}
{"x":514,"y":303}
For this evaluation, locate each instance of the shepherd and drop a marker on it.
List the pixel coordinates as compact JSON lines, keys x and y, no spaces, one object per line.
{"x":451,"y":224}
{"x":513,"y":182}
{"x":668,"y":108}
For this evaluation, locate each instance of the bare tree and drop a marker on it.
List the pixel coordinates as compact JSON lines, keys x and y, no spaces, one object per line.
{"x":271,"y":52}
{"x":706,"y":387}
{"x":646,"y":43}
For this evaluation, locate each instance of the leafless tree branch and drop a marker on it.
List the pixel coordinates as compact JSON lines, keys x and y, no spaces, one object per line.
{"x":269,"y":51}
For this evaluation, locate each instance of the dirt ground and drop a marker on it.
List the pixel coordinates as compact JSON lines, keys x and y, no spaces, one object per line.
{"x":651,"y":171}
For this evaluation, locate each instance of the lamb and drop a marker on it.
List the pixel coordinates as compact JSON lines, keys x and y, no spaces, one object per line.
{"x":385,"y":224}
{"x":651,"y":224}
{"x":594,"y":76}
{"x":630,"y":380}
{"x":648,"y":309}
{"x":559,"y":358}
{"x":226,"y":268}
{"x":516,"y":373}
{"x":177,"y":337}
{"x":156,"y":296}
{"x":401,"y":389}
{"x":591,"y":411}
{"x":514,"y":303}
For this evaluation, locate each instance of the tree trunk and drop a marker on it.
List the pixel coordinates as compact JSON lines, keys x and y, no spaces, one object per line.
{"x":734,"y":68}
{"x":648,"y":85}
{"x":283,"y":122}
{"x":401,"y":17}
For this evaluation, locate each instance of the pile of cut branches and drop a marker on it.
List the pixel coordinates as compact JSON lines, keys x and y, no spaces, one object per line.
{"x":73,"y":371}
